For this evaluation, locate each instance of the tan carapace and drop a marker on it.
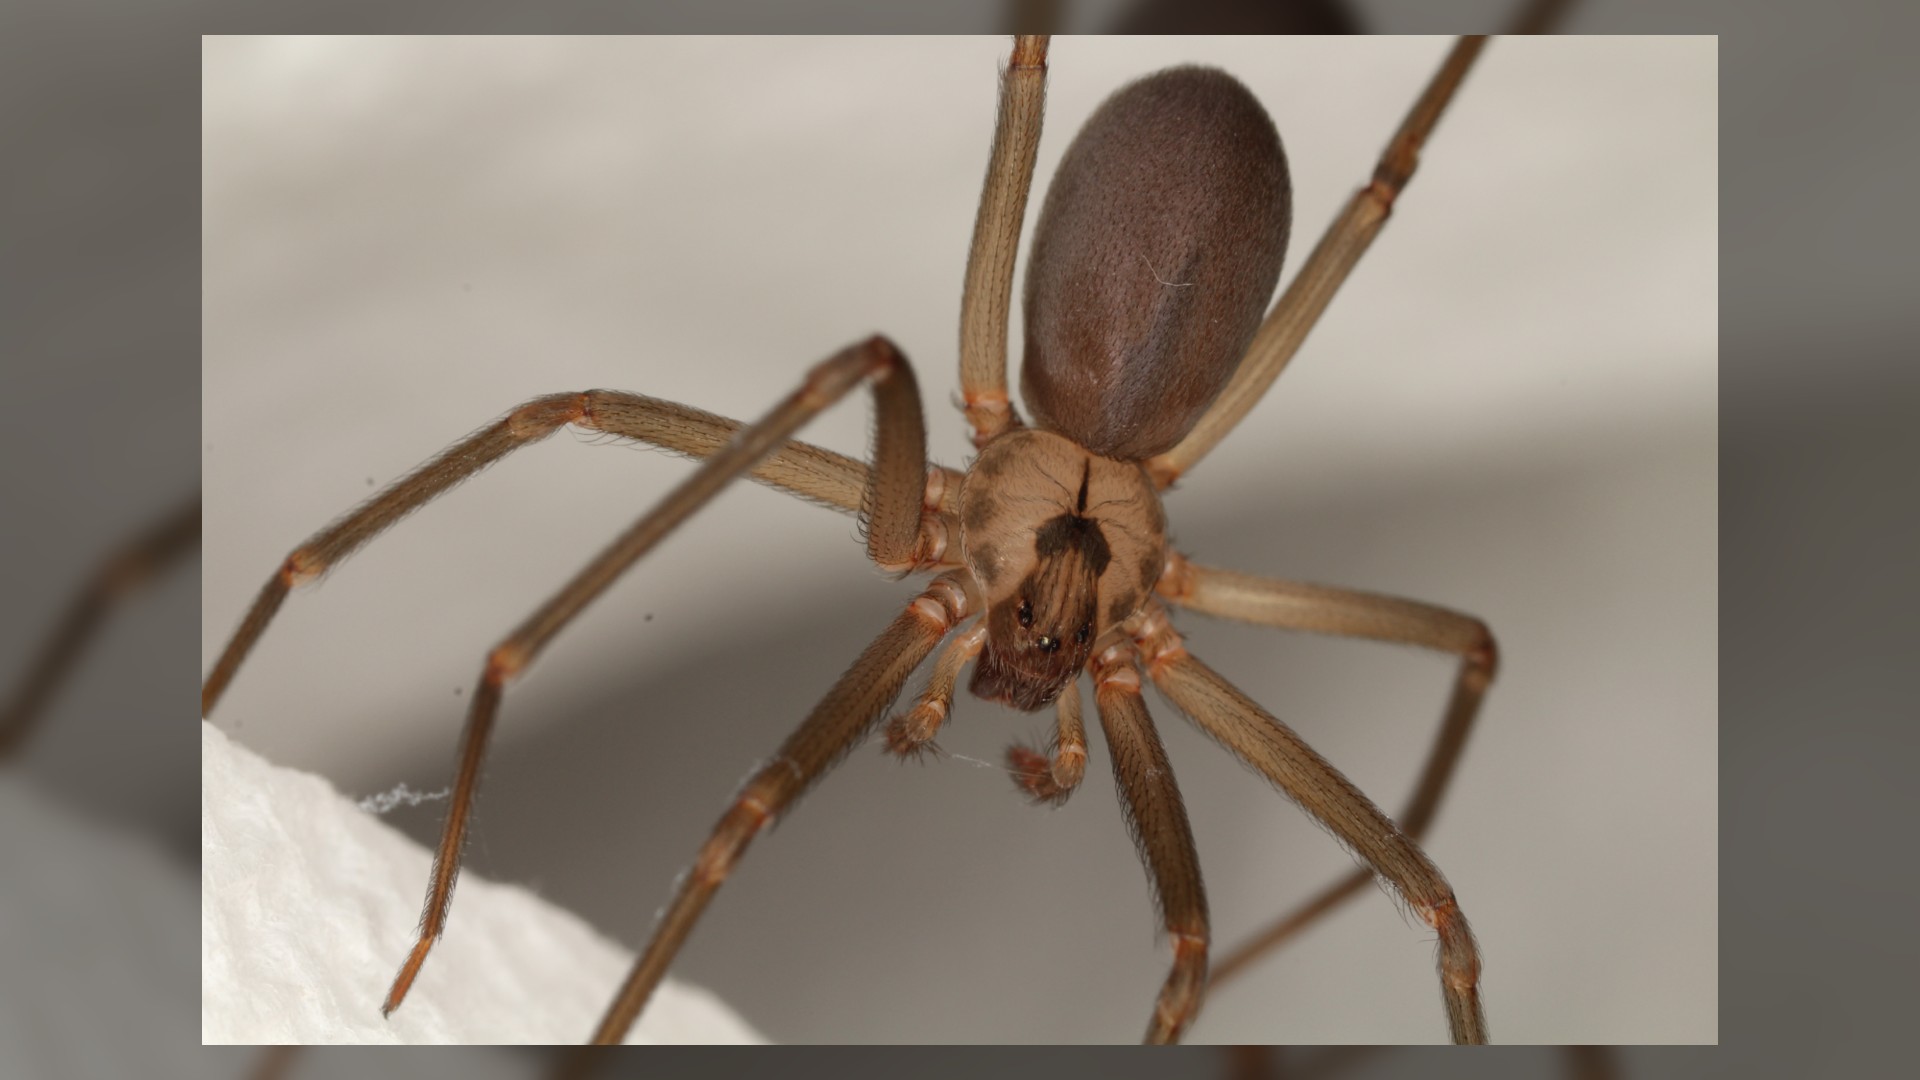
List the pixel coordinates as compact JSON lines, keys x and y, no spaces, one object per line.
{"x":1065,"y":546}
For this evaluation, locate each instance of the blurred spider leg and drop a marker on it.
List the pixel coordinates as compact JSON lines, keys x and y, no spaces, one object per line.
{"x":1348,"y":613}
{"x":1267,"y":1062}
{"x":1539,"y":17}
{"x":1253,"y":1063}
{"x":1592,"y":1063}
{"x":1298,"y":1063}
{"x":120,"y":575}
{"x":1035,"y":14}
{"x":911,"y":733}
{"x":841,"y":719}
{"x":988,"y":297}
{"x":1254,"y":736}
{"x":1052,"y":777}
{"x":273,"y":1063}
{"x":894,"y":492}
{"x":810,"y":472}
{"x":1158,"y":820}
{"x":1313,"y":287}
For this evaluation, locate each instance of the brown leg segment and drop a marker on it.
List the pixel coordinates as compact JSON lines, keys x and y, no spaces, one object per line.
{"x":121,"y":574}
{"x":840,"y":721}
{"x":894,"y":499}
{"x":810,"y":472}
{"x":1592,"y":1063}
{"x":987,"y":301}
{"x":1312,"y":289}
{"x":1052,"y":777}
{"x":531,"y":422}
{"x":1297,"y":606}
{"x":1034,"y":15}
{"x":1266,"y":1062}
{"x":273,"y":1062}
{"x":912,"y":732}
{"x":1254,"y":736}
{"x":1539,"y":17}
{"x":1158,"y":819}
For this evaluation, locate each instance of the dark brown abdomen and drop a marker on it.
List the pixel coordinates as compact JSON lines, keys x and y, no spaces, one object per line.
{"x":1156,"y":254}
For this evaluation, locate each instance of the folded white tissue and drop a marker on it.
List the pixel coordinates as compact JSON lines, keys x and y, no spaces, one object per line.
{"x":308,"y":904}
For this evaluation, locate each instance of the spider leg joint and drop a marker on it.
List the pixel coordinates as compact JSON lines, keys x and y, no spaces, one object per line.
{"x":505,"y":662}
{"x":301,"y":567}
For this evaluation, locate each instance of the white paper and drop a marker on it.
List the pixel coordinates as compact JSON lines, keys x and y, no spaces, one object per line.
{"x":309,"y":904}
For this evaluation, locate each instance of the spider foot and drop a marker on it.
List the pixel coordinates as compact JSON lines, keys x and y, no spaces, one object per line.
{"x":908,"y":744}
{"x":1042,"y":777}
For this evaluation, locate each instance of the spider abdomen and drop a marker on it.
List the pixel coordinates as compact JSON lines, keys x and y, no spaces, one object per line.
{"x":1156,"y":253}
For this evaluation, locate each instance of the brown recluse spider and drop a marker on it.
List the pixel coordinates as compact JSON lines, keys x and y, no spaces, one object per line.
{"x":1156,"y":254}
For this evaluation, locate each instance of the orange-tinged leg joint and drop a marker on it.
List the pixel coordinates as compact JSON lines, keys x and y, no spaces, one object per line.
{"x":989,"y":413}
{"x":1029,"y":52}
{"x":944,"y":604}
{"x":1162,"y":472}
{"x":749,"y":814}
{"x":542,"y":416}
{"x":301,"y":567}
{"x":505,"y":662}
{"x":929,"y":548}
{"x":1483,"y":661}
{"x":1459,"y":960}
{"x":1185,"y":987}
{"x":1176,"y":577}
{"x":1159,"y":643}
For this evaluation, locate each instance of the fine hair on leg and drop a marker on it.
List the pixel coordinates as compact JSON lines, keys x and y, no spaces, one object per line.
{"x":1349,"y":613}
{"x":1157,"y":817}
{"x":1236,"y":722}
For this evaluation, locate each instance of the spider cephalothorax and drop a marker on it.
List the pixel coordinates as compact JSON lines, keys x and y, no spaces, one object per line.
{"x":1065,"y":545}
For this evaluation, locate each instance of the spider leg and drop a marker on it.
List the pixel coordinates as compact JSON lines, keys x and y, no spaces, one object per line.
{"x":841,"y":719}
{"x":1052,"y":777}
{"x":1296,"y":606}
{"x":1269,"y":1063}
{"x":1300,"y":1063}
{"x":121,"y":574}
{"x":1254,"y":736}
{"x":988,"y":297}
{"x":809,"y":472}
{"x":1158,"y":820}
{"x":895,"y":487}
{"x":1313,"y":287}
{"x":910,"y":733}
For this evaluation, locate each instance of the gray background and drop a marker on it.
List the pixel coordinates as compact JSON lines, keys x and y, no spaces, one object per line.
{"x":1511,"y":410}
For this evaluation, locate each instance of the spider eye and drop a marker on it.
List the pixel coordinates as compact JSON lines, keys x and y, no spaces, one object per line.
{"x":1026,"y":615}
{"x":1081,"y":635}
